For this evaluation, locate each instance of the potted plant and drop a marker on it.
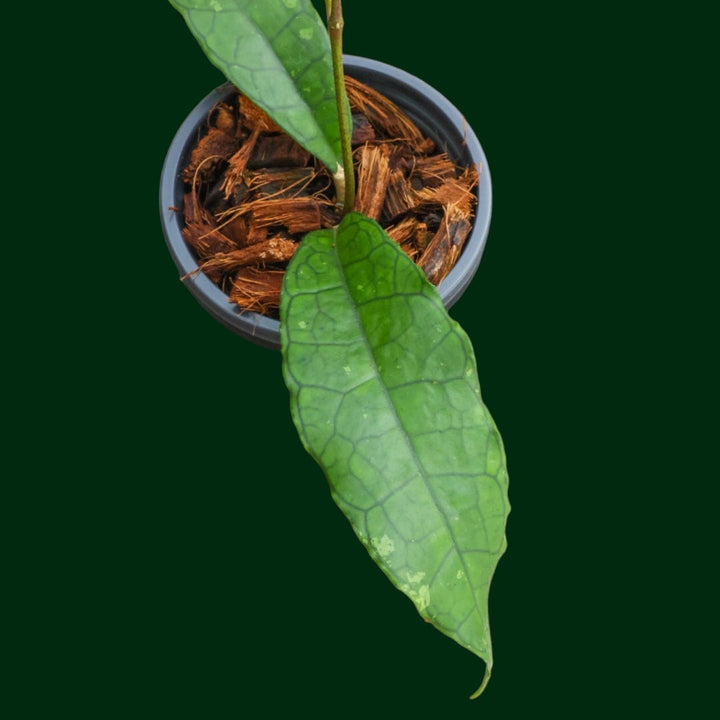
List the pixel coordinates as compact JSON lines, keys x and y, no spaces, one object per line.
{"x":383,"y":383}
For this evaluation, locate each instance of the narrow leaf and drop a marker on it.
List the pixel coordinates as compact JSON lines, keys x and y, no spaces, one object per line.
{"x":277,"y":52}
{"x":385,"y":396}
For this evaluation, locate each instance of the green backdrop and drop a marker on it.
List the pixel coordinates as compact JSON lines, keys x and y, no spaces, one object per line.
{"x":176,"y":552}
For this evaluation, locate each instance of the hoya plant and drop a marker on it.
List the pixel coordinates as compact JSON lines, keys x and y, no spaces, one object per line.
{"x":383,"y":383}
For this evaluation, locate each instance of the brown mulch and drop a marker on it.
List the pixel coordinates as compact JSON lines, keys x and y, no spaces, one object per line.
{"x":252,"y":193}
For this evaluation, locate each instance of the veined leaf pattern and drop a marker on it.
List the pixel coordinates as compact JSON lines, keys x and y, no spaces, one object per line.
{"x":385,"y":396}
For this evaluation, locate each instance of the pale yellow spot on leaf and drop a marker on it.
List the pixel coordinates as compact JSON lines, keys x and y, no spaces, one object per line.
{"x":384,"y":546}
{"x":423,"y":597}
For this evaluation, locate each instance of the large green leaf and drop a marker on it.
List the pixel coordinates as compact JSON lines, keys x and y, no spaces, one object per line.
{"x":385,"y":396}
{"x":277,"y":52}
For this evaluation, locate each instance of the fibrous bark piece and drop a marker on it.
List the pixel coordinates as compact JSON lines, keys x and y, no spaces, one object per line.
{"x":257,"y":290}
{"x":237,"y":230}
{"x":274,"y":250}
{"x":449,"y":193}
{"x":403,"y":231}
{"x":214,"y":148}
{"x":256,"y":233}
{"x":373,"y":178}
{"x":206,"y":240}
{"x":399,"y":197}
{"x":194,"y":211}
{"x":453,"y":191}
{"x":387,"y":119}
{"x":432,"y":171}
{"x":298,"y":215}
{"x":445,"y":247}
{"x":238,"y":162}
{"x":404,"y":234}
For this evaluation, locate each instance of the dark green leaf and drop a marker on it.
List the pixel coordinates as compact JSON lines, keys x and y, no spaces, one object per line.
{"x":277,"y":52}
{"x":385,"y":396}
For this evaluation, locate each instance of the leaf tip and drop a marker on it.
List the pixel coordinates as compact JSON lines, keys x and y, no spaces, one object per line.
{"x":483,"y":685}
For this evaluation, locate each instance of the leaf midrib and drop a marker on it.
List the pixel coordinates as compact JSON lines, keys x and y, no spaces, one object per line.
{"x":406,"y":436}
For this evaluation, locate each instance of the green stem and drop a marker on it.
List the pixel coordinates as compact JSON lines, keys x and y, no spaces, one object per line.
{"x":345,"y":175}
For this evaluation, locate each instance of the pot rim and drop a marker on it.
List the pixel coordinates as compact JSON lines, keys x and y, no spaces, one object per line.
{"x":417,"y":95}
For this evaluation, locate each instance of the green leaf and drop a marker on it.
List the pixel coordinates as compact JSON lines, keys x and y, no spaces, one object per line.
{"x":385,"y":396}
{"x":277,"y":52}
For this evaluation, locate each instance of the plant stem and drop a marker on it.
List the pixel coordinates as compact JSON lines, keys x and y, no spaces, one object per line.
{"x":335,"y":29}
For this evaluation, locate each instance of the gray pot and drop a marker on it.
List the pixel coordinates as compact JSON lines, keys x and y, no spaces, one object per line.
{"x":428,"y":109}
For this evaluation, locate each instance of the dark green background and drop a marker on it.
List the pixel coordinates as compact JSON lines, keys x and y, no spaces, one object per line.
{"x":173,"y":552}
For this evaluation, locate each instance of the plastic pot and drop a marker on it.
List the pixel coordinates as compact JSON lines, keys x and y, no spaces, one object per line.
{"x":428,"y":109}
